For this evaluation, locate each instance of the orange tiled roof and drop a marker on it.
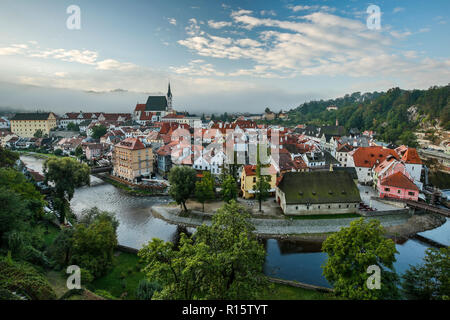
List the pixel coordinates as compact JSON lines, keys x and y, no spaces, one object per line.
{"x":411,"y":156}
{"x":131,"y":144}
{"x":399,"y":180}
{"x":367,"y":156}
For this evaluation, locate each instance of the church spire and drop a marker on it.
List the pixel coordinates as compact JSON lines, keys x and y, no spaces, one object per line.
{"x":169,"y":93}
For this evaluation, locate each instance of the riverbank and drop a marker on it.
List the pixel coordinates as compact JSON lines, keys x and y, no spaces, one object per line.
{"x":129,"y":190}
{"x":401,"y":225}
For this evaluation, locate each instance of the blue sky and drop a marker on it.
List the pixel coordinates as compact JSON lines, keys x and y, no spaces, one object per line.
{"x":219,"y":55}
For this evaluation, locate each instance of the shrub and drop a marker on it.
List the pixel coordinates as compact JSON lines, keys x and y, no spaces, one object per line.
{"x":25,"y":280}
{"x":146,"y":289}
{"x":105,"y":294}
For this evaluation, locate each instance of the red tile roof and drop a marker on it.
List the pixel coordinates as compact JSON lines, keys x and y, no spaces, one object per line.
{"x":131,"y":144}
{"x":411,"y":156}
{"x":250,"y":170}
{"x":399,"y":180}
{"x":367,"y":156}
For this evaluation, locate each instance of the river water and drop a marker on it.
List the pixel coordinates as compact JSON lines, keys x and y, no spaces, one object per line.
{"x":299,"y":261}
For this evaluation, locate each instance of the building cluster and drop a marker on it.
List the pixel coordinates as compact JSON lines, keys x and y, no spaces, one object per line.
{"x":310,"y":169}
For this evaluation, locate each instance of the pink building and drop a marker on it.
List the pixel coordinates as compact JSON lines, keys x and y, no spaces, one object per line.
{"x":399,"y":186}
{"x":93,"y":151}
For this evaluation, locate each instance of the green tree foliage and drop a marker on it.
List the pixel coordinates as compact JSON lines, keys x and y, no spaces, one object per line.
{"x":25,"y":280}
{"x":182,"y":184}
{"x":229,"y":189}
{"x":78,"y":151}
{"x":60,"y":251}
{"x":204,"y":189}
{"x":431,"y":280}
{"x":146,"y":289}
{"x":94,"y":241}
{"x":351,"y":251}
{"x":98,"y":131}
{"x":7,"y":158}
{"x":67,"y":174}
{"x":73,"y":127}
{"x":58,"y":152}
{"x":221,"y":261}
{"x":38,"y":133}
{"x":386,"y":113}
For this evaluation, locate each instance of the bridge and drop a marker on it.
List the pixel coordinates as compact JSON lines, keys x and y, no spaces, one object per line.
{"x":101,"y":169}
{"x":427,"y":207}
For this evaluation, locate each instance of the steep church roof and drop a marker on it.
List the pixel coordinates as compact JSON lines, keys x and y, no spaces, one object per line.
{"x":156,"y":103}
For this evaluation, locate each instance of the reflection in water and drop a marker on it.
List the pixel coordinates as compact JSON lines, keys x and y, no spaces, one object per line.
{"x":290,"y":260}
{"x":137,"y":224}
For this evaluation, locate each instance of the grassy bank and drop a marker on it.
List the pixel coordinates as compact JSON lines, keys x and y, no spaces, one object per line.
{"x":122,"y":279}
{"x":128,"y":189}
{"x":278,"y":291}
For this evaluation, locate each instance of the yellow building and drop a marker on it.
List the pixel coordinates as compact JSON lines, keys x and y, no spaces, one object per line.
{"x":25,"y":125}
{"x":248,"y":180}
{"x":132,"y":160}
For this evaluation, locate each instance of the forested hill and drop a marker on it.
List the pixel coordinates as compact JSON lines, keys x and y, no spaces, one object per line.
{"x":393,"y":115}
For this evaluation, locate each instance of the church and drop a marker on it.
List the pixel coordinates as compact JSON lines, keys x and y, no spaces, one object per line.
{"x":155,"y":108}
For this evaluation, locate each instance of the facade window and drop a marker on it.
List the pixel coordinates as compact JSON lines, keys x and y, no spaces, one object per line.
{"x":410,"y":193}
{"x":339,"y":206}
{"x":387,"y":189}
{"x":398,"y":191}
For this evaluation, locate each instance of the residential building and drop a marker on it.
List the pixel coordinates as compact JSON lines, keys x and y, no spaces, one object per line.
{"x":26,"y":124}
{"x":248,"y":180}
{"x":93,"y":151}
{"x":154,"y":109}
{"x":398,"y":186}
{"x":364,"y":159}
{"x":132,"y":160}
{"x":317,"y":192}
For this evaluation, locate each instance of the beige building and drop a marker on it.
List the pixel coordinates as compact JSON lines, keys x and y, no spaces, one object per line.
{"x":248,"y":180}
{"x":25,"y":125}
{"x":132,"y":160}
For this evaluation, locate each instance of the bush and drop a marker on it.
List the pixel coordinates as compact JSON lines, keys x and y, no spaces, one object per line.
{"x":146,"y":289}
{"x":105,"y":294}
{"x":86,"y":276}
{"x":25,"y":280}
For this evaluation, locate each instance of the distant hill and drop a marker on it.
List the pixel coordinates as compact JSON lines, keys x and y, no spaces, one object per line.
{"x":394,"y":114}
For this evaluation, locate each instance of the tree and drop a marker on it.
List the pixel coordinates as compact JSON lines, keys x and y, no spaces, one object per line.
{"x":78,"y":151}
{"x":229,"y":189}
{"x":431,"y":280}
{"x":8,"y":158}
{"x":38,"y":133}
{"x":73,"y":127}
{"x":221,"y":261}
{"x":67,"y":174}
{"x":262,"y":186}
{"x":58,"y":152}
{"x":98,"y":131}
{"x":351,"y":251}
{"x":204,"y":189}
{"x":94,"y":241}
{"x":182,"y":183}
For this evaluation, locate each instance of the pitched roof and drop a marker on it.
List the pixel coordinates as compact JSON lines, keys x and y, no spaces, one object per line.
{"x":131,"y":144}
{"x":319,"y":187}
{"x":156,"y":103}
{"x":399,"y":180}
{"x":367,"y":156}
{"x":411,"y":156}
{"x":31,"y":116}
{"x":250,"y":170}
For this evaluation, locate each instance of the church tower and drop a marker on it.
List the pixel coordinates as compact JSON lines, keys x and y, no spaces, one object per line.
{"x":169,"y":100}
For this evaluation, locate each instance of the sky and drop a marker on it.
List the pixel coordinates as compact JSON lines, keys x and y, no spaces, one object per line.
{"x":219,"y":56}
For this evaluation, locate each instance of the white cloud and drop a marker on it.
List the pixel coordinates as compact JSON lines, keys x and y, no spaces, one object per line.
{"x":172,"y":21}
{"x":111,"y":64}
{"x":267,"y":13}
{"x":193,"y":28}
{"x":197,"y":67}
{"x":398,"y":9}
{"x":218,"y":24}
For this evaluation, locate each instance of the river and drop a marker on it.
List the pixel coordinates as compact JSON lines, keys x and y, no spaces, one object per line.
{"x":299,"y":261}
